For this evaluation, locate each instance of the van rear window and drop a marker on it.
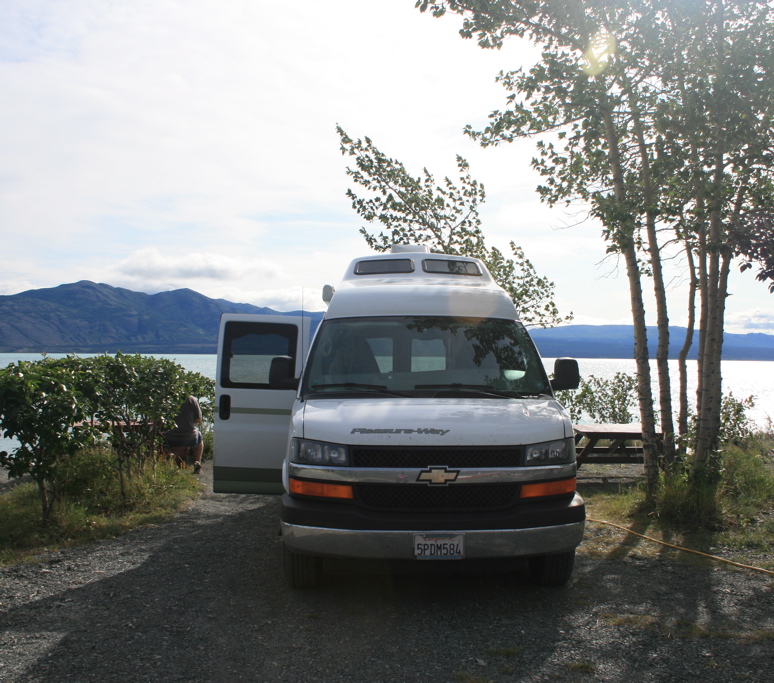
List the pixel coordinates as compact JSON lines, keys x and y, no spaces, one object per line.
{"x":384,"y":266}
{"x":450,"y":267}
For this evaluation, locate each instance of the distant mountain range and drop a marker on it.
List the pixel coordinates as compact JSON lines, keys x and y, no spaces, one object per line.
{"x":85,"y":317}
{"x":617,"y":341}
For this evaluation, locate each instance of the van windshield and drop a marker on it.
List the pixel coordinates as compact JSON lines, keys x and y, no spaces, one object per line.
{"x":421,"y":356}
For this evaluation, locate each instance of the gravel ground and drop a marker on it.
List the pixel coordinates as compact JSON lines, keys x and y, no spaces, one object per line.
{"x":202,"y":598}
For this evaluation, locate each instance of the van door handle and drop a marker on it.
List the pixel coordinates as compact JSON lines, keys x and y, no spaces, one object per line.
{"x":224,"y":407}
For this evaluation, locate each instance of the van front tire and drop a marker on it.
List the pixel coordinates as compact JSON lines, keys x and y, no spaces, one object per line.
{"x":301,"y":571}
{"x":552,"y":570}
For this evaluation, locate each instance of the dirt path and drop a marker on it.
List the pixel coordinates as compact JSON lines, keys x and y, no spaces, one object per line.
{"x":202,"y":598}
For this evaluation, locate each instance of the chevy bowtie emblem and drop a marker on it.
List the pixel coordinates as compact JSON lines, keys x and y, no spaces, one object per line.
{"x":438,"y":476}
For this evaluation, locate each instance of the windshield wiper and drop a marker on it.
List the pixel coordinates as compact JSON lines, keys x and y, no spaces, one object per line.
{"x":356,"y":386}
{"x":481,"y":389}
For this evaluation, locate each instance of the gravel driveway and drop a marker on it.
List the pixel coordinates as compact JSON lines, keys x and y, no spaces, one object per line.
{"x":202,"y":598}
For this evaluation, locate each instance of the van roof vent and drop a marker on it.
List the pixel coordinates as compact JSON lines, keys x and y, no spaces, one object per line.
{"x":405,"y":248}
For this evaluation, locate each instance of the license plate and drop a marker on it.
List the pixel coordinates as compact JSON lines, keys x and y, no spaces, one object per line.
{"x":439,"y":546}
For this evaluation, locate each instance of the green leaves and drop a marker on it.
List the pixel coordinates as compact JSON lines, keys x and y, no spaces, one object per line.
{"x":683,"y":105}
{"x":39,"y":410}
{"x":659,"y":117}
{"x":49,"y":407}
{"x":417,"y":210}
{"x":143,"y":391}
{"x":602,"y":400}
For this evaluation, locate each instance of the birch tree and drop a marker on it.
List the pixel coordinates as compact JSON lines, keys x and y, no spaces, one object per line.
{"x":657,"y":115}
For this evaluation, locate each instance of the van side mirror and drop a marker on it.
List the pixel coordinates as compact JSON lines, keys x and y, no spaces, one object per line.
{"x":566,"y":374}
{"x":281,"y":373}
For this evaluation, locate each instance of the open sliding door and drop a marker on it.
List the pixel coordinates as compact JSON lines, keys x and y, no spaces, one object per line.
{"x":252,"y":420}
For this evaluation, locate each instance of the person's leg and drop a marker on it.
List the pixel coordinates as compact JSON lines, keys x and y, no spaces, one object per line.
{"x":198,"y":451}
{"x":180,"y":453}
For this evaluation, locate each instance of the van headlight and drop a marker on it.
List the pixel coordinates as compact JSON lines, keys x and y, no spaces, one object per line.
{"x":319,"y":453}
{"x":550,"y":452}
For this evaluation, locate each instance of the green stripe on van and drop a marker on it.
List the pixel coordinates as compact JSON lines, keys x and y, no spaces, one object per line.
{"x":261,"y":411}
{"x":246,"y":480}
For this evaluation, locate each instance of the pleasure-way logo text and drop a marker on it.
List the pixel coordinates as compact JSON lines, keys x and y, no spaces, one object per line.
{"x":421,"y":430}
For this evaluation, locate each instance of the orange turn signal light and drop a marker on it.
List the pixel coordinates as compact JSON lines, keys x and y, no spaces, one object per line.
{"x":548,"y":488}
{"x":315,"y":488}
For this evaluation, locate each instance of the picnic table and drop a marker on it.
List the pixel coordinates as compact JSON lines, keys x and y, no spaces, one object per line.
{"x":609,"y":443}
{"x":121,"y":425}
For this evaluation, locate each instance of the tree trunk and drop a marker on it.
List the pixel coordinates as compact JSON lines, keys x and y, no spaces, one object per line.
{"x":682,"y":420}
{"x":662,"y":350}
{"x":703,"y":316}
{"x":659,"y":290}
{"x":45,"y":499}
{"x":715,"y":289}
{"x":626,"y":242}
{"x":710,"y":394}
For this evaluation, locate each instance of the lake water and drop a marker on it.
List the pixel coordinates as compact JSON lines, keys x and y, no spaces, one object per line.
{"x":740,"y":378}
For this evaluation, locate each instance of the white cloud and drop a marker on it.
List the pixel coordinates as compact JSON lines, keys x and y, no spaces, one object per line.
{"x":757,"y":320}
{"x":151,"y":264}
{"x":159,"y":144}
{"x":287,"y":284}
{"x":593,"y":320}
{"x":14,"y":287}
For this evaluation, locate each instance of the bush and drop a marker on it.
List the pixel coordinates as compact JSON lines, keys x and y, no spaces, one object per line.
{"x":90,"y":506}
{"x":686,"y":503}
{"x":43,"y":408}
{"x":743,"y":488}
{"x":602,"y":400}
{"x":746,"y":478}
{"x":735,"y":426}
{"x":55,"y":407}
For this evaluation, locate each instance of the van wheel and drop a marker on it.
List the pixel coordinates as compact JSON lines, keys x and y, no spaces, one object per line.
{"x":301,"y":571}
{"x":552,"y":570}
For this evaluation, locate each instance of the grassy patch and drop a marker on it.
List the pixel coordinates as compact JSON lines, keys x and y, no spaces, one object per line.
{"x":734,"y":517}
{"x":91,"y":507}
{"x":684,"y":629}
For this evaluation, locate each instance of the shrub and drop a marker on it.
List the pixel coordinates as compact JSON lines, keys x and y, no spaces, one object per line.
{"x":746,"y":478}
{"x":145,"y":392}
{"x":735,"y":426}
{"x":42,"y":408}
{"x":602,"y":400}
{"x":743,"y":487}
{"x":55,"y":407}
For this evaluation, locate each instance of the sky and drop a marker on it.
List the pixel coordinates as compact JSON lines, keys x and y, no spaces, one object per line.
{"x":163,"y":144}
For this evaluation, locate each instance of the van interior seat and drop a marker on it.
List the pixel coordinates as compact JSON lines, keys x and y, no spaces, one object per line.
{"x":357,"y":359}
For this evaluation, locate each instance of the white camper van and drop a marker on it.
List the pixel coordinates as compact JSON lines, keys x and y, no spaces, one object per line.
{"x":421,"y":424}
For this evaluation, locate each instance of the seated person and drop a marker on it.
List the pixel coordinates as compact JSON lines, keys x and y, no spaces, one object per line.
{"x":185,"y":436}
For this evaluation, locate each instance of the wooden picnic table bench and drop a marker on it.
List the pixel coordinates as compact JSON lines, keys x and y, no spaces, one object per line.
{"x":123,"y":426}
{"x":609,"y":443}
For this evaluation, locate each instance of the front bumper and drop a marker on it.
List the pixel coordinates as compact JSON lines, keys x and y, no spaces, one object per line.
{"x":537,"y":529}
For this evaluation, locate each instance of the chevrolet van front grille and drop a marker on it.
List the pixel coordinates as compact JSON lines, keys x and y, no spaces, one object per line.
{"x":438,"y":498}
{"x":456,"y":457}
